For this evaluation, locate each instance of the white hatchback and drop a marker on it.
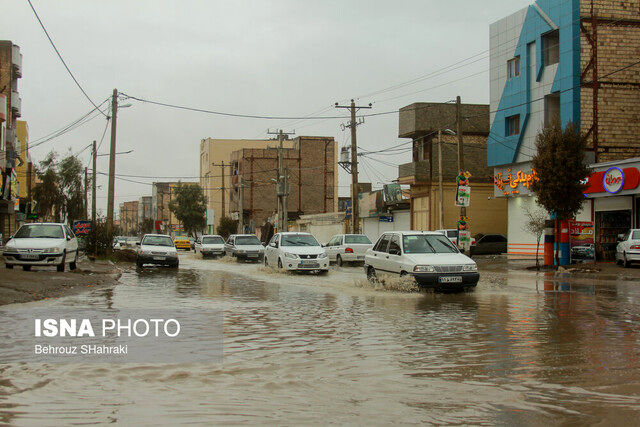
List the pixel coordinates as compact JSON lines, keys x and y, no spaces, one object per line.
{"x":210,"y":245}
{"x":294,"y":251}
{"x":347,"y":248}
{"x":42,"y":244}
{"x":429,"y":257}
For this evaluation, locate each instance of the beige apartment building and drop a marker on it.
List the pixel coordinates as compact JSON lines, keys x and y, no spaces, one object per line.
{"x":129,"y":223}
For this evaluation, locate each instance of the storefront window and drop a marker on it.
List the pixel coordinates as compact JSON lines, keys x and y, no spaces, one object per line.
{"x":610,"y":224}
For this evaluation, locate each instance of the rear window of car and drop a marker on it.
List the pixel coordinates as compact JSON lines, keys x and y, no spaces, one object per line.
{"x":355,"y":239}
{"x":157,"y":241}
{"x":212,"y":240}
{"x":635,"y":235}
{"x":452,"y":233}
{"x":40,"y":231}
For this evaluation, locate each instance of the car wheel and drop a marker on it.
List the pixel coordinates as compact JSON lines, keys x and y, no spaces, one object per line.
{"x":625,"y":262}
{"x":371,"y":275}
{"x":339,"y":261}
{"x":265,"y":262}
{"x":74,"y":264}
{"x":280,"y":264}
{"x":139,"y":264}
{"x":60,"y":267}
{"x":26,"y":268}
{"x":323,"y":272}
{"x":9,"y":266}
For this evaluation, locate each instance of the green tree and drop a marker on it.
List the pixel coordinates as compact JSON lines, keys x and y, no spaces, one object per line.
{"x":227,"y":226}
{"x":71,"y":177}
{"x":147,"y":226}
{"x":561,"y":170}
{"x":535,"y":224}
{"x":46,"y":193}
{"x":190,"y":205}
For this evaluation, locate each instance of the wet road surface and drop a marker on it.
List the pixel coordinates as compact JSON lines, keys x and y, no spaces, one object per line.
{"x":520,"y":349}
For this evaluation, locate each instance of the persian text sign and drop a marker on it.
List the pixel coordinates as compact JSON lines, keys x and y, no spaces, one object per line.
{"x":81,"y":228}
{"x":514,"y":181}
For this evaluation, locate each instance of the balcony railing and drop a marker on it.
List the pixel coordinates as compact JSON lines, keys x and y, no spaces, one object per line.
{"x":16,"y":104}
{"x":414,"y":171}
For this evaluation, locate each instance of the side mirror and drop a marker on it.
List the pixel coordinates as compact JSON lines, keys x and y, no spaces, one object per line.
{"x":68,"y":237}
{"x":137,"y":243}
{"x":273,"y":244}
{"x":620,"y":237}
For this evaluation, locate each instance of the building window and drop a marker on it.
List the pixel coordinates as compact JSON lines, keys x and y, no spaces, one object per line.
{"x":551,"y":47}
{"x":513,"y":67}
{"x":513,"y":125}
{"x":551,"y":109}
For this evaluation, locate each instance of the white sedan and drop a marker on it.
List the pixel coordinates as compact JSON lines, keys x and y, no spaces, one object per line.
{"x":42,"y":244}
{"x":294,"y":251}
{"x":210,"y":245}
{"x":347,"y":248}
{"x":628,"y":249}
{"x":429,"y":257}
{"x":157,"y":249}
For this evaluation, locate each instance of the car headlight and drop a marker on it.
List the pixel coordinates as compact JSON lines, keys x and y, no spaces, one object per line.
{"x":54,"y":250}
{"x":424,"y":268}
{"x":470,"y":267}
{"x":322,"y":255}
{"x":290,"y":255}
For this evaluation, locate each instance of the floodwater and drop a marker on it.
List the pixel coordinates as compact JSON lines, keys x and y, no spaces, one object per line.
{"x":520,"y":349}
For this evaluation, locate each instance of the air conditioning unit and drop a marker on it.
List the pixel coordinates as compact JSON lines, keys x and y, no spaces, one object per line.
{"x":16,"y":104}
{"x":345,"y":155}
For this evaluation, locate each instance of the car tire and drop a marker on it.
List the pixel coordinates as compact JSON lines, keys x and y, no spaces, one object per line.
{"x":9,"y":266}
{"x":339,"y":261}
{"x":323,"y":272}
{"x":280,"y":266}
{"x":139,"y":264}
{"x":625,"y":262}
{"x":26,"y":268}
{"x":371,"y":275}
{"x":264,"y":261}
{"x":74,"y":264}
{"x":60,"y":267}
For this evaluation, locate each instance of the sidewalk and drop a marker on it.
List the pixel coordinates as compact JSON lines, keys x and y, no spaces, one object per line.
{"x":18,"y":286}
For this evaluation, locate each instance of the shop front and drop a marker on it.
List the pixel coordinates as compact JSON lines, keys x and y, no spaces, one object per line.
{"x":613,"y":190}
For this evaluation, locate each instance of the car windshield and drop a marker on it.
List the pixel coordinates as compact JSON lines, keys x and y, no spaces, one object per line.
{"x":427,"y":244}
{"x":356,"y":239}
{"x":452,"y":233}
{"x":212,"y":240}
{"x":43,"y":231}
{"x":247,"y":240}
{"x":157,"y":241}
{"x":299,"y":240}
{"x":122,"y":239}
{"x":635,"y":235}
{"x":132,"y":239}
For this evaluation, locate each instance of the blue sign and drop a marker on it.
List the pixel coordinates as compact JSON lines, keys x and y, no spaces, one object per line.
{"x":386,"y":218}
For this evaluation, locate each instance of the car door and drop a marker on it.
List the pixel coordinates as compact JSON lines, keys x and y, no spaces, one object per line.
{"x":270,"y":251}
{"x":330,"y":248}
{"x":72,"y":243}
{"x":379,"y":252}
{"x":394,"y":255}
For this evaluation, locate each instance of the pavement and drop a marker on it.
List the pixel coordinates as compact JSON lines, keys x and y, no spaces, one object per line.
{"x":17,"y":286}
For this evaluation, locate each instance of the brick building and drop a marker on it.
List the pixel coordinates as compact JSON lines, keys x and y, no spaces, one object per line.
{"x":313,"y":179}
{"x":145,"y":210}
{"x":162,"y":193}
{"x":421,"y":122}
{"x":129,"y":219}
{"x":571,"y":61}
{"x":10,"y":72}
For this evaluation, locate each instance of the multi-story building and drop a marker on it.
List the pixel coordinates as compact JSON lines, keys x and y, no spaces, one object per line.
{"x":313,"y":179}
{"x":145,"y":208}
{"x":161,"y":195}
{"x":570,"y":61}
{"x":421,"y":122}
{"x":10,"y":72}
{"x":129,"y":220}
{"x":25,"y":172}
{"x":215,"y":170}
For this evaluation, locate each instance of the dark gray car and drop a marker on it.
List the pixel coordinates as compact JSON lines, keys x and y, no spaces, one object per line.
{"x":490,"y":244}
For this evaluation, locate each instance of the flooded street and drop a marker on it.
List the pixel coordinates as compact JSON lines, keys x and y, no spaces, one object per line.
{"x":521,"y":349}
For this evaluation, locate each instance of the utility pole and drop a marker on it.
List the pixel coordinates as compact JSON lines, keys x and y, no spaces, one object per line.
{"x":285,"y":200}
{"x":86,"y":200}
{"x":281,"y":187}
{"x":241,"y":207}
{"x":355,"y":214}
{"x":223,"y":192}
{"x":93,"y":199}
{"x":440,"y":179}
{"x":29,"y":172}
{"x":463,"y":209}
{"x":112,"y":161}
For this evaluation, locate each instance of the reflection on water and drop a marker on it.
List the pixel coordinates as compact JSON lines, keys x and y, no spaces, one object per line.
{"x":519,"y":349}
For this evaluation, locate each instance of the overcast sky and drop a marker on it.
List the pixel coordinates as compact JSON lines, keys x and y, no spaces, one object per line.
{"x":278,"y":58}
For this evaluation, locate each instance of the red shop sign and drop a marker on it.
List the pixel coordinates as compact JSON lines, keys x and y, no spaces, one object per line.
{"x":613,"y":180}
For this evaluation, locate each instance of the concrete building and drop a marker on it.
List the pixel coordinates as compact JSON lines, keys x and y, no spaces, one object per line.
{"x":215,"y":155}
{"x":565,"y":60}
{"x":10,"y":72}
{"x":313,"y":179}
{"x":145,"y":208}
{"x":162,"y":193}
{"x":421,"y":122}
{"x":129,"y":220}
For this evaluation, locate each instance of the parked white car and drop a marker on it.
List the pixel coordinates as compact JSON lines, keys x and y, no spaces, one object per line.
{"x":42,"y":244}
{"x":210,"y":245}
{"x":347,"y":248}
{"x":157,"y":249}
{"x":429,"y":257}
{"x":293,"y":251}
{"x":628,"y":249}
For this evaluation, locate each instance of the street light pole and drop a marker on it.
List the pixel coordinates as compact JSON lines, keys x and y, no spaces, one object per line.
{"x":112,"y":160}
{"x":440,"y":179}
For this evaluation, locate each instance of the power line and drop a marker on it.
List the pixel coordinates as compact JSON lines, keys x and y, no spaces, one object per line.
{"x":62,"y":59}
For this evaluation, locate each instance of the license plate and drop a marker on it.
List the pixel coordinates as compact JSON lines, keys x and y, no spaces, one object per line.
{"x":252,"y":255}
{"x":451,"y":279}
{"x":30,"y":256}
{"x":159,"y":258}
{"x":311,"y":264}
{"x":360,"y":257}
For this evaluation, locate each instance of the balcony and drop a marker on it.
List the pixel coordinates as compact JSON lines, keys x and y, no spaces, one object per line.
{"x":414,"y":172}
{"x":16,"y":61}
{"x":16,"y":104}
